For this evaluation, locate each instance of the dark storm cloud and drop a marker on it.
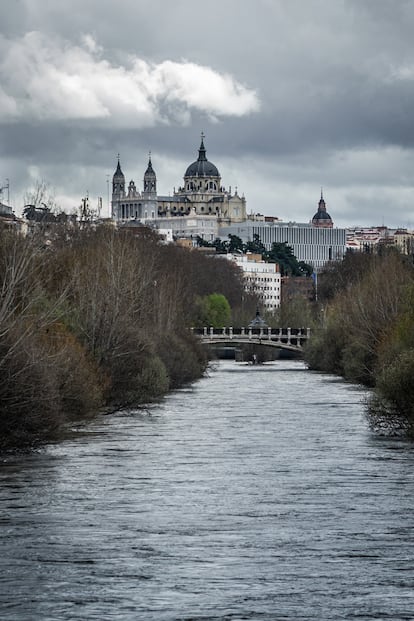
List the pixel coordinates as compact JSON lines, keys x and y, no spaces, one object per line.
{"x":291,"y":95}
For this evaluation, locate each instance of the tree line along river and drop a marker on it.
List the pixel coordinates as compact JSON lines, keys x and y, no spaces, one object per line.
{"x":256,"y":493}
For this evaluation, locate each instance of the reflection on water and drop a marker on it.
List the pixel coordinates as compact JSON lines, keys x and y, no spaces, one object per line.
{"x":257,"y":493}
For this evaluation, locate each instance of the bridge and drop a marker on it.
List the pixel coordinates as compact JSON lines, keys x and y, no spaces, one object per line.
{"x":292,"y":339}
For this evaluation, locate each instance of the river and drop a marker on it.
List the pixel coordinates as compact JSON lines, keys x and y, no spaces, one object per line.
{"x":256,"y":493}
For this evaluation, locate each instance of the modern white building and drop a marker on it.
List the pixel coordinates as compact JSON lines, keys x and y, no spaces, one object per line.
{"x":313,"y":245}
{"x":190,"y":227}
{"x":260,"y":277}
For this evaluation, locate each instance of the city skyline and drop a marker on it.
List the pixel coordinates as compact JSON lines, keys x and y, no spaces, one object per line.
{"x":290,"y":96}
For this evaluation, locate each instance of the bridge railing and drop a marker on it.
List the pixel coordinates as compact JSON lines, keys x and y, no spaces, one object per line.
{"x":295,"y":337}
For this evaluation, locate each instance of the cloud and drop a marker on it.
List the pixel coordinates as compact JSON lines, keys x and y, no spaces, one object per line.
{"x":335,"y":89}
{"x":46,"y":79}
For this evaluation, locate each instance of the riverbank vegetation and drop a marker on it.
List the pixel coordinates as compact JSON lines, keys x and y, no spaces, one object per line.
{"x":366,"y":332}
{"x":99,"y":318}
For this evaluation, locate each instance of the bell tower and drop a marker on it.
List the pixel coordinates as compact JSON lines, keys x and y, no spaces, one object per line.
{"x":150,"y":181}
{"x":118,"y":182}
{"x":118,"y":191}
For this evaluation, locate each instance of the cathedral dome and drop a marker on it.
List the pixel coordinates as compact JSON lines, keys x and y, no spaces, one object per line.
{"x":202,"y":167}
{"x":322,"y":217}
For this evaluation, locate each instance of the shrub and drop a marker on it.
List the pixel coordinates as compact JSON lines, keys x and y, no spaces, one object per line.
{"x":357,"y":363}
{"x":30,"y":402}
{"x":185,"y":359}
{"x":213,"y":310}
{"x":137,"y":376}
{"x":395,"y":384}
{"x":323,"y":352}
{"x":149,"y":383}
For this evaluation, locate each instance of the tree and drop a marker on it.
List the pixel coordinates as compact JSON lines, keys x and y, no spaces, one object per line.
{"x":338,"y":276}
{"x":365,"y":318}
{"x":256,"y":246}
{"x":282,"y":254}
{"x":235,"y":243}
{"x":214,"y":310}
{"x":41,"y":196}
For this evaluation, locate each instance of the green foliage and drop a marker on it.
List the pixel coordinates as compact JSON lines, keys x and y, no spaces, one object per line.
{"x":279,"y":253}
{"x":282,"y":254}
{"x":391,"y":408}
{"x":214,"y":310}
{"x":357,"y":362}
{"x":256,"y":246}
{"x":202,"y":243}
{"x":185,"y":359}
{"x":235,"y":244}
{"x":294,"y":312}
{"x":323,"y":352}
{"x":149,"y":383}
{"x":395,"y":383}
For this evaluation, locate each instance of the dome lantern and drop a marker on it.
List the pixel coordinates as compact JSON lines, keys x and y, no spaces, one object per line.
{"x":202,"y":167}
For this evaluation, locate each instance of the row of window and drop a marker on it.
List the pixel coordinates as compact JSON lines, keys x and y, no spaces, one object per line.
{"x":300,"y":235}
{"x":195,"y":187}
{"x":263,"y":278}
{"x":131,"y":212}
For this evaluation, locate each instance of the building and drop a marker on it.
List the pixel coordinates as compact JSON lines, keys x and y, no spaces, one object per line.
{"x":260,"y":277}
{"x":9,"y":220}
{"x":322,"y":219}
{"x":202,"y":194}
{"x":6,"y":212}
{"x":203,"y":207}
{"x":190,"y":227}
{"x":131,"y":204}
{"x":404,"y":240}
{"x":313,"y":245}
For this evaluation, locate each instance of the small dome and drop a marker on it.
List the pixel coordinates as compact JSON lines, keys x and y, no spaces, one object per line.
{"x":202,"y":167}
{"x":321,"y":215}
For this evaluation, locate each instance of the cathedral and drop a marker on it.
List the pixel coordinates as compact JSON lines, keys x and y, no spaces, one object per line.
{"x":201,"y":194}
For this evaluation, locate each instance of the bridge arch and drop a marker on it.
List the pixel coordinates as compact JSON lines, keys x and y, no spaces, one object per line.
{"x":292,"y":339}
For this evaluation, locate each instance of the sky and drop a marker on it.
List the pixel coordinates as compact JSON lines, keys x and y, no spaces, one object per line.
{"x":292,"y":96}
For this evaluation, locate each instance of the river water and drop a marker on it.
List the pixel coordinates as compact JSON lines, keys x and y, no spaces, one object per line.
{"x":256,"y":493}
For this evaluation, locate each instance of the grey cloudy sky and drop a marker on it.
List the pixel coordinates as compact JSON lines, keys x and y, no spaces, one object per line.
{"x":292,"y":95}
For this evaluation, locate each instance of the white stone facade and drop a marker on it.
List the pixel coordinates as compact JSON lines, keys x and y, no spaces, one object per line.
{"x":191,"y":227}
{"x":315,"y":246}
{"x":132,"y":204}
{"x":201,"y":194}
{"x":260,"y":277}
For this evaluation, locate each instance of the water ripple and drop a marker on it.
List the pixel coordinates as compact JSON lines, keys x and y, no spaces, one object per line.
{"x":257,"y":493}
